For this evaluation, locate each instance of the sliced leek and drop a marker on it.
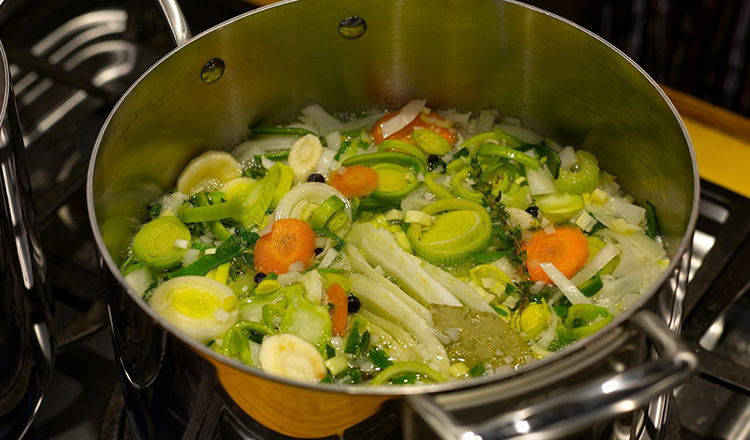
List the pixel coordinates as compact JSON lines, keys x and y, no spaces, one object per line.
{"x":157,"y":243}
{"x":459,"y":228}
{"x":200,"y":307}
{"x":302,"y":201}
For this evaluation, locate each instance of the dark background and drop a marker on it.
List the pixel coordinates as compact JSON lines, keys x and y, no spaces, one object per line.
{"x":700,"y":47}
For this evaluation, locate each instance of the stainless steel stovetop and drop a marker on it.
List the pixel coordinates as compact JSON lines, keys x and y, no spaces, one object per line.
{"x":70,"y":63}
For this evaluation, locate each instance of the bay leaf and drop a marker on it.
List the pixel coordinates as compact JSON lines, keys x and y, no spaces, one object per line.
{"x":479,"y":337}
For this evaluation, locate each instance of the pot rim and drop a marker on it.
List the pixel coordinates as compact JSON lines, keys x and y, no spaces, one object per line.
{"x":571,"y":350}
{"x":5,"y":82}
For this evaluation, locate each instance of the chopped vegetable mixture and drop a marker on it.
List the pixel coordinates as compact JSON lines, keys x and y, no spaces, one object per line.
{"x":405,"y":247}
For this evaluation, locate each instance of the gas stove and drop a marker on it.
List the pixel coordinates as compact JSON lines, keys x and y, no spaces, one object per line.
{"x":70,"y":62}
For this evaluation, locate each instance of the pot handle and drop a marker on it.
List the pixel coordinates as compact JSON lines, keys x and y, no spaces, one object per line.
{"x":176,"y":22}
{"x":582,"y":406}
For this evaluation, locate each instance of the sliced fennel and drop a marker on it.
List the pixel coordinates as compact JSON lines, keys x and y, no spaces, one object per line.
{"x":359,"y":264}
{"x":200,"y":307}
{"x":380,"y":248}
{"x":382,"y":302}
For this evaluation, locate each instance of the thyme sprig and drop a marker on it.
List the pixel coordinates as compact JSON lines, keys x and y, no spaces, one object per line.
{"x":508,"y":235}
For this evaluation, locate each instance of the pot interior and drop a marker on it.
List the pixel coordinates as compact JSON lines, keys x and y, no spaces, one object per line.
{"x":557,"y":78}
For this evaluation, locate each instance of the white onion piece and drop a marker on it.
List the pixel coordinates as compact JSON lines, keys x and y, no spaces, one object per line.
{"x":568,"y":158}
{"x":313,"y":284}
{"x":633,"y":214}
{"x":333,"y":140}
{"x":403,"y":117}
{"x":139,"y":280}
{"x":291,"y":277}
{"x":248,"y":150}
{"x":325,"y":162}
{"x":540,"y":181}
{"x":568,"y":289}
{"x":486,"y":120}
{"x":294,"y":203}
{"x":325,"y":122}
{"x":604,"y":256}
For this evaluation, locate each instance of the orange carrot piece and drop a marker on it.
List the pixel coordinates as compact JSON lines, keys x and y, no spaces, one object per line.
{"x":355,"y":181}
{"x":290,"y":240}
{"x":566,"y":248}
{"x":420,"y":122}
{"x":337,"y":296}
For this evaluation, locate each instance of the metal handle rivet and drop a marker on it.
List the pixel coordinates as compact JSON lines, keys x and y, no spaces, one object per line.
{"x":352,"y":27}
{"x":212,"y":70}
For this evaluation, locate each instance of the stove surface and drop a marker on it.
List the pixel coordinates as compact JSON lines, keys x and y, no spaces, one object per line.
{"x":70,"y":63}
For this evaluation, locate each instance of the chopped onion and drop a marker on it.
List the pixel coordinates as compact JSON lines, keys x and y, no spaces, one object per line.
{"x":325,"y":162}
{"x":290,"y":277}
{"x":139,"y":280}
{"x":568,"y":289}
{"x":210,"y":251}
{"x":631,"y":213}
{"x":325,"y":122}
{"x":540,"y":181}
{"x":333,"y":140}
{"x":604,"y":256}
{"x":568,"y":158}
{"x":486,"y":120}
{"x":248,"y":150}
{"x":403,"y":117}
{"x":266,"y":162}
{"x":180,"y":243}
{"x":549,"y":229}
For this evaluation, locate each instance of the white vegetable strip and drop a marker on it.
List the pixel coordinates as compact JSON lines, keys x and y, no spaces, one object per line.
{"x":382,"y":302}
{"x":333,"y":140}
{"x":139,"y":280}
{"x":465,"y":293}
{"x":403,"y":117}
{"x":568,"y":289}
{"x":359,"y":264}
{"x":604,"y":256}
{"x":381,"y":248}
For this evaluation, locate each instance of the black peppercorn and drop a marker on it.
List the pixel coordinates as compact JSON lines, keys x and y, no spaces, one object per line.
{"x":260,"y":276}
{"x":318,"y":251}
{"x":533,"y":210}
{"x":433,"y":159}
{"x":353,"y":304}
{"x":315,"y":177}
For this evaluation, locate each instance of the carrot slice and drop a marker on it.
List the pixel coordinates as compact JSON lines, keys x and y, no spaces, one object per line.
{"x":566,"y":248}
{"x":337,"y":296}
{"x":355,"y":181}
{"x":431,"y":121}
{"x":290,"y":241}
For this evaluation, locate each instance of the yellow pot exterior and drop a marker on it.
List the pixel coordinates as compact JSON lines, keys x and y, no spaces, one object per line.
{"x":295,"y":411}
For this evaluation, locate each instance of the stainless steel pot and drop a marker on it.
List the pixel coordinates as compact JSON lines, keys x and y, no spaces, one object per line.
{"x":26,"y":343}
{"x":262,"y":67}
